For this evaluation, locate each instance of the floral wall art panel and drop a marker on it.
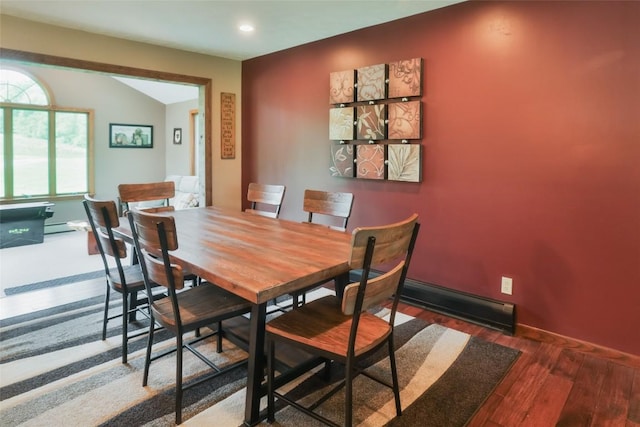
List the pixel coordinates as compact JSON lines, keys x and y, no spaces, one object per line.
{"x":405,"y":120}
{"x":342,"y":160}
{"x":405,"y":78}
{"x":341,"y":123}
{"x":372,"y":82}
{"x":370,"y":161}
{"x":372,"y":122}
{"x":341,"y":87}
{"x":375,"y":113}
{"x":403,"y":163}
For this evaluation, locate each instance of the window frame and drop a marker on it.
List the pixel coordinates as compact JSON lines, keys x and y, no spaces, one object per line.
{"x":8,"y":109}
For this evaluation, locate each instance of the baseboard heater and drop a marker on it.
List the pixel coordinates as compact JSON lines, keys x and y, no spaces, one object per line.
{"x":472,"y":308}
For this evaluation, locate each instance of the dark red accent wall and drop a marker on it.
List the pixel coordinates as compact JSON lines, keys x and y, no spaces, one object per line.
{"x":531,"y":160}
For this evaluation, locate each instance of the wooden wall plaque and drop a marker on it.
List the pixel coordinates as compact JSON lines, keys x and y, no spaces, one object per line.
{"x":228,"y":125}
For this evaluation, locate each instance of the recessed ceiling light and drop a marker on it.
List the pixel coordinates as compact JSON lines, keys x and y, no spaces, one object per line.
{"x":246,"y":28}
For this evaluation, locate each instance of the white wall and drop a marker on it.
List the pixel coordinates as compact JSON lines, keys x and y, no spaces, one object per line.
{"x":178,"y":156}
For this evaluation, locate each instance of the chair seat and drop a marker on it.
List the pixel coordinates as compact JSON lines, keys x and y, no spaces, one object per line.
{"x":132,"y":275}
{"x":200,"y":306}
{"x":330,"y":329}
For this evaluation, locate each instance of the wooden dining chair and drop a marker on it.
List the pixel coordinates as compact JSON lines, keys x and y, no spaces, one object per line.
{"x":126,"y":280}
{"x":343,"y":331}
{"x":152,"y":195}
{"x":265,"y":199}
{"x":331,"y":205}
{"x":328,"y":204}
{"x":185,"y":309}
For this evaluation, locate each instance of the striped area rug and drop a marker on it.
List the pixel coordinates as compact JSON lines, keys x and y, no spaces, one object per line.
{"x":55,"y":370}
{"x":99,"y":274}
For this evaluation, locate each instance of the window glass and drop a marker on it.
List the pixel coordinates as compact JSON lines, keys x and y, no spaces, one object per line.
{"x":71,"y":152}
{"x":2,"y":145}
{"x":30,"y":153}
{"x":18,"y":88}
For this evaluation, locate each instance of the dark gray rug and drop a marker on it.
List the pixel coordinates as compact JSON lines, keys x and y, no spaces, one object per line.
{"x":55,"y":370}
{"x":54,"y":282}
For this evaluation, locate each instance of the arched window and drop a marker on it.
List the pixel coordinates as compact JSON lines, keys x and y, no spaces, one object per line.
{"x":18,"y":88}
{"x":45,"y":149}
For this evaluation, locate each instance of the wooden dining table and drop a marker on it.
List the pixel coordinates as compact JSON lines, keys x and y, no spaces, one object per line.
{"x":258,"y":259}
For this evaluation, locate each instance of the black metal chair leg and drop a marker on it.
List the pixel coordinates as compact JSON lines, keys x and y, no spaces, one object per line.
{"x":106,"y":313}
{"x":219,"y":338}
{"x":179,"y":378}
{"x":147,"y":361}
{"x":125,"y":328}
{"x":394,"y":376}
{"x":348,"y":404}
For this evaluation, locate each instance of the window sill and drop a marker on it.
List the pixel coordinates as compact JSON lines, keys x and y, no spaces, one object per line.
{"x":68,"y":197}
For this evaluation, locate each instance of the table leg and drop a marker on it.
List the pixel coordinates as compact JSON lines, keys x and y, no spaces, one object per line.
{"x":133,"y":303}
{"x":255,"y":374}
{"x":133,"y":258}
{"x":341,"y":282}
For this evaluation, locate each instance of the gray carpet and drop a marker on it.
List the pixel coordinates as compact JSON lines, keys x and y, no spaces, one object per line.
{"x":55,"y":370}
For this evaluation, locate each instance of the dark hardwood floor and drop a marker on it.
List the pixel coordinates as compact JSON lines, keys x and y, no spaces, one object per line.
{"x":555,"y":383}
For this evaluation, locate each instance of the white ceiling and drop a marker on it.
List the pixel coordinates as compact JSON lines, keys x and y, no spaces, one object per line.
{"x":167,"y":93}
{"x":210,"y":26}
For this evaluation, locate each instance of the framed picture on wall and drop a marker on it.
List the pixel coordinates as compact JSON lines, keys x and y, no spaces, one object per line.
{"x":177,"y":135}
{"x":130,"y":136}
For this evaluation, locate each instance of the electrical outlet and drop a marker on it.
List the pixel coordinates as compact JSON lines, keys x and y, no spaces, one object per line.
{"x":507,"y":285}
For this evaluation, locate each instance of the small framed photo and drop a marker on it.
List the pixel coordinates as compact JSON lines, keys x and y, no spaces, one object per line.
{"x":130,"y":136}
{"x":177,"y":135}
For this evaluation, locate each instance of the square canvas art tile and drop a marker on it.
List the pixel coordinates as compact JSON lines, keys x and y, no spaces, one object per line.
{"x":342,"y":160}
{"x":405,"y":120}
{"x":372,"y":122}
{"x":341,"y":87}
{"x":405,"y":78}
{"x":370,"y":161}
{"x":403,"y":162}
{"x":341,"y":123}
{"x":372,"y":82}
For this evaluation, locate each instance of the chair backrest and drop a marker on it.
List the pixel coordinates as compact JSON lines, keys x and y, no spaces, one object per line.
{"x":155,"y":194}
{"x":154,"y":236}
{"x":263,"y":195}
{"x":103,"y":218}
{"x":374,"y":246}
{"x":328,"y":203}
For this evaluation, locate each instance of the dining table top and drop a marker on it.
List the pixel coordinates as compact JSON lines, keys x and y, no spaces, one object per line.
{"x":256,"y":257}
